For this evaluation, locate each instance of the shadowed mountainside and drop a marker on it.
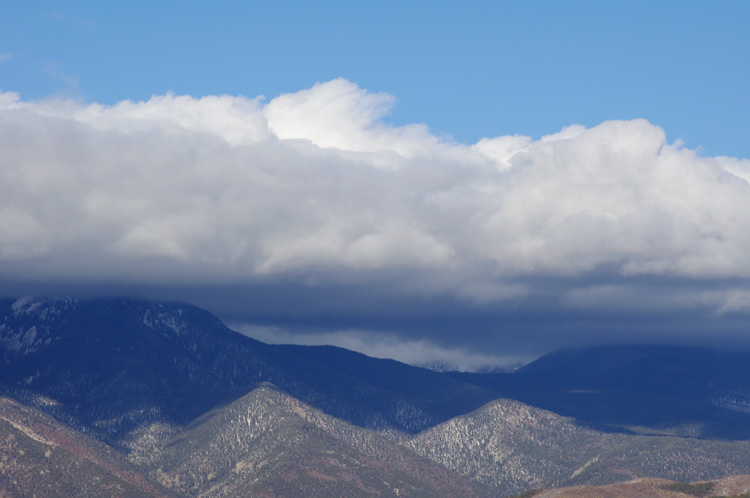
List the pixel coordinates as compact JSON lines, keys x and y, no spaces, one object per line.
{"x":117,"y":364}
{"x":186,"y":404}
{"x":638,"y":389}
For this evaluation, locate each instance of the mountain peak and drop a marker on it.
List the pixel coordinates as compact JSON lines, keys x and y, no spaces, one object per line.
{"x":186,"y":399}
{"x":43,"y":308}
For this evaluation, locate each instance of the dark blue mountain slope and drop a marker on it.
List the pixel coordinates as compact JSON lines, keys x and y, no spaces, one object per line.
{"x":116,"y":364}
{"x":689,"y":391}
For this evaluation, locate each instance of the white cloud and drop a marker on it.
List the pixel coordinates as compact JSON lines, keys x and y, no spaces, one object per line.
{"x":339,"y":114}
{"x":732,"y":301}
{"x":738,"y":167}
{"x":21,"y":235}
{"x":315,"y":187}
{"x":641,"y":299}
{"x":380,"y":345}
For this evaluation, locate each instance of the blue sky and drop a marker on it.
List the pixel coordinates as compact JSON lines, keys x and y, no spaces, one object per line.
{"x":467,"y":70}
{"x":474,"y":183}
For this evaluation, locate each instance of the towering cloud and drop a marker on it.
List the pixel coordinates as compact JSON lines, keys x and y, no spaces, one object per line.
{"x":316,"y":189}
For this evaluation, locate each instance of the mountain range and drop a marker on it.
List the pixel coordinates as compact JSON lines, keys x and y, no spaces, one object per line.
{"x":128,"y":397}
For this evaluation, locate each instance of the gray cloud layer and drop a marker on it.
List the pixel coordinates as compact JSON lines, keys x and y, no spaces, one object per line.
{"x":314,"y":190}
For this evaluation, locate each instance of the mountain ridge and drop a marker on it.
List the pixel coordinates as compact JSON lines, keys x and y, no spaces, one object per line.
{"x":687,"y":391}
{"x":200,"y":410}
{"x":145,"y":339}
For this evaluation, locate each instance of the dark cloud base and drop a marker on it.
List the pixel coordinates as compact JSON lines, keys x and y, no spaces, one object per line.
{"x":524,"y":329}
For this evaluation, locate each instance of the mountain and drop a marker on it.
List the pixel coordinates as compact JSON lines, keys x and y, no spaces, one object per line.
{"x":116,"y":364}
{"x":638,"y":389}
{"x":264,"y":444}
{"x":425,"y":397}
{"x":511,"y":447}
{"x":270,"y":444}
{"x":167,"y":401}
{"x":42,"y":457}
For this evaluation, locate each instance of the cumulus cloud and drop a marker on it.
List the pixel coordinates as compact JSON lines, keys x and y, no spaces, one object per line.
{"x":317,"y":189}
{"x":340,"y":115}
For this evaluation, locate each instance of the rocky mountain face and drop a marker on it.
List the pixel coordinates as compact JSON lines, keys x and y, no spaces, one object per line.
{"x":511,"y":447}
{"x":39,"y":456}
{"x":270,"y":444}
{"x":167,"y":401}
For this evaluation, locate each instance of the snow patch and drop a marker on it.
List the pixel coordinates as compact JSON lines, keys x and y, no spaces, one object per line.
{"x":25,"y":305}
{"x":44,"y":309}
{"x":164,"y":319}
